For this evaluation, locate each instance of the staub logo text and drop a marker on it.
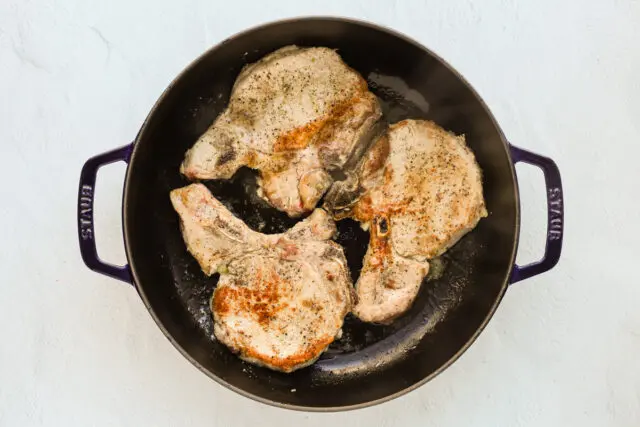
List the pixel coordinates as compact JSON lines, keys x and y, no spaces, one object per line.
{"x":555,"y":213}
{"x":86,"y":212}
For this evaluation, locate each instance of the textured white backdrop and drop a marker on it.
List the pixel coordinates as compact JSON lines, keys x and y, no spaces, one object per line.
{"x":78,"y":77}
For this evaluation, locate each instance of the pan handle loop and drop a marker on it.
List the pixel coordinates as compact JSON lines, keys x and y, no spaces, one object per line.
{"x":86,"y":233}
{"x":555,"y":215}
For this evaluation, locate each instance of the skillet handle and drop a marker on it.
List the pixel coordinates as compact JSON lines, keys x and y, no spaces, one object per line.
{"x":555,"y":215}
{"x":86,"y":233}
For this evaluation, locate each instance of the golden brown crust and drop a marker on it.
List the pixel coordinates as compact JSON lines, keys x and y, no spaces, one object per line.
{"x":263,"y":299}
{"x":267,"y":299}
{"x":298,"y":138}
{"x":293,"y":362}
{"x":320,"y":130}
{"x":376,"y":157}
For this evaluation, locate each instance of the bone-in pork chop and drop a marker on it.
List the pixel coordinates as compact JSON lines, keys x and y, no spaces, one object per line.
{"x":281,"y":298}
{"x":294,"y":115}
{"x":418,"y":190}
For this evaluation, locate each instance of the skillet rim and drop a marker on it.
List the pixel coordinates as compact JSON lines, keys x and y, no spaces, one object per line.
{"x":255,"y":397}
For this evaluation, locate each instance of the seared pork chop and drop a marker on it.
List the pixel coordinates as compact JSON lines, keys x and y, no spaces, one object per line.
{"x":281,"y":298}
{"x":418,"y":190}
{"x":295,"y":115}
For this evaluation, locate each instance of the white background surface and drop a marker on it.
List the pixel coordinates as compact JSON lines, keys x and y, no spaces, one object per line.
{"x":78,"y":77}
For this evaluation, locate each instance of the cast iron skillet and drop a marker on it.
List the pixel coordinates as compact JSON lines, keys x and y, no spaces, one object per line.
{"x":370,"y":364}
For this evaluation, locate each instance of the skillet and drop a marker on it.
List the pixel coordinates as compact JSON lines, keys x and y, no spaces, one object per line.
{"x":371,"y":363}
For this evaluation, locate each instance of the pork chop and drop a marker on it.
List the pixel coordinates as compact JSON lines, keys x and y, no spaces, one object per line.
{"x":294,"y":115}
{"x":418,"y":190}
{"x":281,"y":299}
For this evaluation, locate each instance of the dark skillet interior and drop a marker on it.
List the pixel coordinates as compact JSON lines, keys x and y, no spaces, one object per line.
{"x":370,"y":362}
